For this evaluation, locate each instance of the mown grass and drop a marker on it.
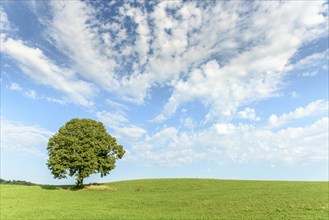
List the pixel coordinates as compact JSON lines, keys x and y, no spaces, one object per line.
{"x":169,"y":199}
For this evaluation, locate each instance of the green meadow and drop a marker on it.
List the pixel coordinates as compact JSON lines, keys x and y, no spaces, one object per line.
{"x":169,"y":199}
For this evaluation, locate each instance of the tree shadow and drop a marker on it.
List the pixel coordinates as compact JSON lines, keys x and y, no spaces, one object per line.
{"x":69,"y":187}
{"x":61,"y":187}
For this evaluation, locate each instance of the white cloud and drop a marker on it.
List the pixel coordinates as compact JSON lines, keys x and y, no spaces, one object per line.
{"x":58,"y":101}
{"x":130,"y":133}
{"x":294,"y":94}
{"x":165,"y":47}
{"x":116,"y":105}
{"x":222,"y":89}
{"x":188,"y":122}
{"x":312,"y":109}
{"x":94,"y":52}
{"x":223,"y":128}
{"x":256,"y":73}
{"x":224,"y":55}
{"x":159,"y":118}
{"x":244,"y":57}
{"x":15,"y":87}
{"x":309,"y":74}
{"x":240,"y":143}
{"x":31,"y":94}
{"x":219,"y":55}
{"x":311,"y":61}
{"x":5,"y":25}
{"x":111,"y":119}
{"x":75,"y":37}
{"x":123,"y":130}
{"x":39,"y":68}
{"x":302,"y":144}
{"x":24,"y":138}
{"x":248,"y":113}
{"x":166,"y":148}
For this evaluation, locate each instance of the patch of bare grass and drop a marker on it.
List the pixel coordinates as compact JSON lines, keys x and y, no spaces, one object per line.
{"x":100,"y":187}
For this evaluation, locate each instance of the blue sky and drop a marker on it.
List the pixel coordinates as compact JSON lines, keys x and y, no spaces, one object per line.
{"x":201,"y":89}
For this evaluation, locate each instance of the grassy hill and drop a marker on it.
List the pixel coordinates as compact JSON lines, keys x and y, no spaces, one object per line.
{"x":169,"y":199}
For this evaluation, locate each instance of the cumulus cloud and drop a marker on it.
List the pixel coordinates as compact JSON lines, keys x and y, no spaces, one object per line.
{"x":167,"y":147}
{"x":248,"y":113}
{"x":312,"y":109}
{"x":240,"y":143}
{"x":188,"y":122}
{"x":24,"y":138}
{"x":223,"y":91}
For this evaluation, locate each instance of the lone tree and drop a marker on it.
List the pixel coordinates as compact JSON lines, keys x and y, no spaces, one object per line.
{"x":80,"y":148}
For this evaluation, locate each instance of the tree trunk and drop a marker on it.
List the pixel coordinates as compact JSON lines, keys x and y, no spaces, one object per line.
{"x":79,"y":180}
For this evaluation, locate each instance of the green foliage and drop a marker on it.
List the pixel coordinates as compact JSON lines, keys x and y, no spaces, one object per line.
{"x":80,"y":148}
{"x":169,"y":199}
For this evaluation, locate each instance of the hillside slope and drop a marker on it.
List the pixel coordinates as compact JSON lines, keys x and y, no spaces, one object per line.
{"x":169,"y":199}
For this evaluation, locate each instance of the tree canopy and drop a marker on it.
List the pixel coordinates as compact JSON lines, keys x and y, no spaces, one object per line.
{"x":80,"y":148}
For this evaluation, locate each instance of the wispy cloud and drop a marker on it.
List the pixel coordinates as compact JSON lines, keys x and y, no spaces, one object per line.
{"x":32,"y":94}
{"x":15,"y":87}
{"x":24,"y":138}
{"x":28,"y":93}
{"x":294,"y":94}
{"x":116,"y":105}
{"x":73,"y":33}
{"x":39,"y":68}
{"x":5,"y":25}
{"x":311,"y":65}
{"x":120,"y":126}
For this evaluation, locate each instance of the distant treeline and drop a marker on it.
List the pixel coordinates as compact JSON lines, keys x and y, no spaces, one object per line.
{"x":16,"y":182}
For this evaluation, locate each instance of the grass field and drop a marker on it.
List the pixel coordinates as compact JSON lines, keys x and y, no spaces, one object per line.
{"x":169,"y":199}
